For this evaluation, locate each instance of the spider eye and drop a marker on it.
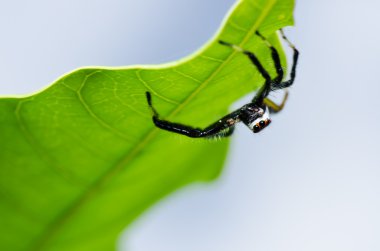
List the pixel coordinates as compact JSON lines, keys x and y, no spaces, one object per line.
{"x":256,"y":128}
{"x":262,"y":123}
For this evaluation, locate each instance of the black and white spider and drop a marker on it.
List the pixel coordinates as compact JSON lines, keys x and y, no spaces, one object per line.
{"x":255,"y":114}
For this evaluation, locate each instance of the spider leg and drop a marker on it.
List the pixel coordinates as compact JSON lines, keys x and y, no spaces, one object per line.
{"x":149,"y":99}
{"x":275,"y":57}
{"x":221,"y":127}
{"x":273,"y":107}
{"x":285,"y":84}
{"x":267,"y":85}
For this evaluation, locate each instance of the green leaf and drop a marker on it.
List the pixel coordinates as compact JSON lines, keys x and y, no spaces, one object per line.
{"x":81,"y":160}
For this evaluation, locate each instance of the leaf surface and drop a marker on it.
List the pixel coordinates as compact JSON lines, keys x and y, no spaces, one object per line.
{"x":80,"y":160}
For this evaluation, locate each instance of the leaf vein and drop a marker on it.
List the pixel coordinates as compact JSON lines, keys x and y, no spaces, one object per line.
{"x":42,"y":153}
{"x":122,"y":101}
{"x":187,"y":76}
{"x":211,"y":58}
{"x":92,"y":113}
{"x":153,"y":91}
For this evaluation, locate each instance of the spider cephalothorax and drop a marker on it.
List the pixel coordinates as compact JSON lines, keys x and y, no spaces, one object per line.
{"x":255,"y":115}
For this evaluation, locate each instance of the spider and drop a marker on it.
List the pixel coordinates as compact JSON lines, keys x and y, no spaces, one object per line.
{"x":255,"y":115}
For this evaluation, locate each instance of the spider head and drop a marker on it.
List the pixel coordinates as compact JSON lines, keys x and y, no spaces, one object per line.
{"x":258,"y":118}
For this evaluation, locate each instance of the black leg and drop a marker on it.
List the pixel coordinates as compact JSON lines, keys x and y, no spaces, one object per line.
{"x":220,"y":128}
{"x":275,"y":57}
{"x":289,"y":82}
{"x":149,"y":99}
{"x":267,"y":85}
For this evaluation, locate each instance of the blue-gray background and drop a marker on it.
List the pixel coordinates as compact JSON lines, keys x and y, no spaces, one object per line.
{"x":310,"y":182}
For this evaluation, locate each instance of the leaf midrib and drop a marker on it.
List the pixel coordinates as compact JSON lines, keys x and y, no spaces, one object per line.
{"x":57,"y":224}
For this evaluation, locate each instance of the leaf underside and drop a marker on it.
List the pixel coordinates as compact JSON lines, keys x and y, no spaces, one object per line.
{"x":80,"y":160}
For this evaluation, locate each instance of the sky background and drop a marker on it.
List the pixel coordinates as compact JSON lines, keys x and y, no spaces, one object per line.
{"x":311,"y":181}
